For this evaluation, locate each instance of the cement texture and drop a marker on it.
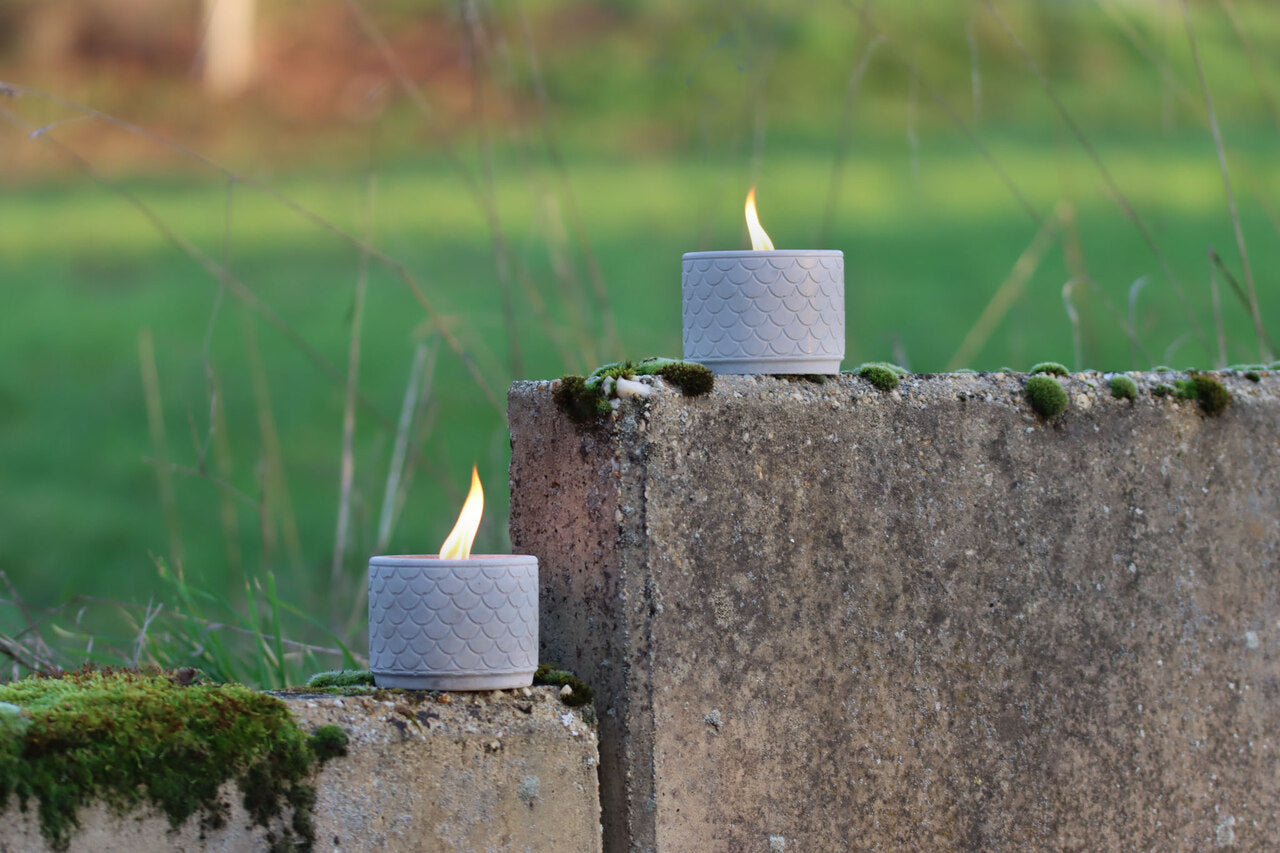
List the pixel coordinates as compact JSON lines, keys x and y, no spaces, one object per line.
{"x":829,"y":617}
{"x":511,"y":770}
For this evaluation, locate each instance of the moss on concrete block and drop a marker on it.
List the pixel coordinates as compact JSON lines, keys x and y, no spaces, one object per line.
{"x":128,"y":738}
{"x":1046,"y":395}
{"x":1052,"y":368}
{"x":1123,"y":388}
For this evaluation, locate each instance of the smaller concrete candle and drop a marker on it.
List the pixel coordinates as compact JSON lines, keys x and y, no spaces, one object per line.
{"x":454,"y":621}
{"x":765,"y":310}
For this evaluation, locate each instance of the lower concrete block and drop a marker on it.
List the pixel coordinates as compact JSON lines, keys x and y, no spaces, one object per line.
{"x":496,"y":771}
{"x":829,"y":617}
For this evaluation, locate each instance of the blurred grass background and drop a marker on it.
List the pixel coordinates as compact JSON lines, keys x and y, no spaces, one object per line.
{"x":477,"y":192}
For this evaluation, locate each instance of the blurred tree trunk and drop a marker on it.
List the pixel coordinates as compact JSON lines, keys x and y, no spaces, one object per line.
{"x":228,"y":46}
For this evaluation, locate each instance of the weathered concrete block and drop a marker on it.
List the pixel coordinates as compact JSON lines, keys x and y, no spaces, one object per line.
{"x":828,"y":617}
{"x":498,"y":771}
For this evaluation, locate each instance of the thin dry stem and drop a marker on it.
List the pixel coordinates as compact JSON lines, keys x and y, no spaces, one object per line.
{"x":1009,"y":291}
{"x":612,"y":342}
{"x":275,"y":499}
{"x":1117,"y":194}
{"x":1255,"y":63}
{"x":218,"y":273}
{"x":155,"y":423}
{"x":865,"y":17}
{"x":423,"y":369}
{"x":1073,"y":316}
{"x":844,"y":136}
{"x":1217,"y":318}
{"x":1251,"y":291}
{"x":348,"y":464}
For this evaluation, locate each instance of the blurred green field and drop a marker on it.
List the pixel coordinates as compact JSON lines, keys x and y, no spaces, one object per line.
{"x":251,"y":391}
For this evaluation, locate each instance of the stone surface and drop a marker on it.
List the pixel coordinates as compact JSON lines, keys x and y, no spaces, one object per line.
{"x":829,"y":617}
{"x":496,"y":771}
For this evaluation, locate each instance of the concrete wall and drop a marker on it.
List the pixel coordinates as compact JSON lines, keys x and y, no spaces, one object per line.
{"x":494,"y":771}
{"x":825,"y":617}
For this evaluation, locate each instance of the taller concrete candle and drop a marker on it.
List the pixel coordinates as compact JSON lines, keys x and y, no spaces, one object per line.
{"x":765,"y":310}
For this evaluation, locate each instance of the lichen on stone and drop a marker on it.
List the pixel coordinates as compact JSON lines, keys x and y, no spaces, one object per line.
{"x":1123,"y":388}
{"x":1046,"y":395}
{"x":1051,"y":368}
{"x":127,"y":737}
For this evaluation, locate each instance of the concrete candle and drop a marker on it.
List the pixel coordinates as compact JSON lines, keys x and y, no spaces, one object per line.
{"x":454,"y":621}
{"x":765,"y":310}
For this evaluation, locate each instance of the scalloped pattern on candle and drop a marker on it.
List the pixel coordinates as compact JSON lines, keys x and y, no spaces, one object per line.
{"x":454,"y":620}
{"x":786,"y":309}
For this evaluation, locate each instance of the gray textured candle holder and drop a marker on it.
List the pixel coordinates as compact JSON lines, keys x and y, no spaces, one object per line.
{"x":779,"y":311}
{"x":453,"y":624}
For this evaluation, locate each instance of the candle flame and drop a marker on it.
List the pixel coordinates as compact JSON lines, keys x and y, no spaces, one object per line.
{"x":458,"y":545}
{"x":759,"y":238}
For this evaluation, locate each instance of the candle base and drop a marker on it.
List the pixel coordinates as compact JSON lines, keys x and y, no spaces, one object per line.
{"x":776,"y":365}
{"x":478,"y":681}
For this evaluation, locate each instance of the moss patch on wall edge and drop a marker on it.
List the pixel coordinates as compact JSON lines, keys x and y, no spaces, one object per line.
{"x":129,"y":738}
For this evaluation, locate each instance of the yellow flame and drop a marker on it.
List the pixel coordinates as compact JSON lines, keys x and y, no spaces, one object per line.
{"x":759,"y":239}
{"x":458,"y":545}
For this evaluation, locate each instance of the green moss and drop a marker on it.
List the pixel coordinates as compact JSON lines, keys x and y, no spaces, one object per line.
{"x":1046,"y":395}
{"x":1253,"y":376}
{"x":341,"y":678}
{"x":581,"y":693}
{"x":586,"y":399}
{"x":1006,"y":369}
{"x":1124,"y":388}
{"x":583,"y":405}
{"x":691,"y":378}
{"x":1211,"y":394}
{"x":1162,"y":368}
{"x":126,"y":737}
{"x":328,"y":742}
{"x":1275,"y":365}
{"x":880,"y":374}
{"x":1050,"y":367}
